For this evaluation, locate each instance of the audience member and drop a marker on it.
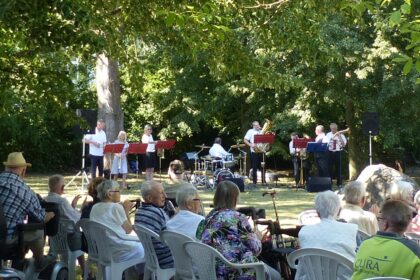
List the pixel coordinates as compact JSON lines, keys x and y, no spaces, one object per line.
{"x":352,"y":212}
{"x":111,"y":213}
{"x":187,"y":219}
{"x":414,"y":226}
{"x":152,"y":216}
{"x":176,"y":176}
{"x":388,"y":253}
{"x":19,"y":201}
{"x":56,"y":190}
{"x":403,"y":191}
{"x":87,"y":207}
{"x":230,"y":233}
{"x":329,"y":234}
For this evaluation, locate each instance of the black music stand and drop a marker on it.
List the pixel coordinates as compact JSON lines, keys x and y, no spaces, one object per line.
{"x":267,"y":138}
{"x":137,"y":148}
{"x":164,"y":145}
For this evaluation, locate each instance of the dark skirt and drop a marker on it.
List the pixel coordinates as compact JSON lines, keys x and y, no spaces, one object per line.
{"x":149,"y":160}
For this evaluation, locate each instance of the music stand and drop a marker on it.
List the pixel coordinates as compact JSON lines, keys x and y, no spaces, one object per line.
{"x":137,"y":148}
{"x":316,"y":147}
{"x":113,"y":149}
{"x":267,"y":138}
{"x":301,"y":143}
{"x":82,"y":171}
{"x":164,"y":145}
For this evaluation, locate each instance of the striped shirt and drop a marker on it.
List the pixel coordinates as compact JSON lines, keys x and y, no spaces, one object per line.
{"x":155,"y":219}
{"x":18,"y":200}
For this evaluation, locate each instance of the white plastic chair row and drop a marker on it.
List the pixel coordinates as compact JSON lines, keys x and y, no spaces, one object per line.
{"x":93,"y":253}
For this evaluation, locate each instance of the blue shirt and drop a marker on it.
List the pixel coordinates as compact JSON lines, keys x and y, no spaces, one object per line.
{"x":18,"y":200}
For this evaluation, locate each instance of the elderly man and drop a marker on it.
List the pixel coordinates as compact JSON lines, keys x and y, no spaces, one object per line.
{"x":152,"y":216}
{"x":187,"y":219}
{"x":336,"y":143}
{"x":56,"y":187}
{"x":388,"y":253}
{"x":19,"y":201}
{"x":352,"y":212}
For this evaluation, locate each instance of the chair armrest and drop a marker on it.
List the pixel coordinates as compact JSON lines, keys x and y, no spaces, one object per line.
{"x":257,"y":266}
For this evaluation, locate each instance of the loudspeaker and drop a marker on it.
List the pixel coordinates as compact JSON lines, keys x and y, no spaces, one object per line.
{"x":239,"y":182}
{"x":370,"y":122}
{"x":318,"y":184}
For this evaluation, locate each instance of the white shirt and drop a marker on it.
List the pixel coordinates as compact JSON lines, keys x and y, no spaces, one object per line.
{"x":321,"y":138}
{"x":185,"y":222}
{"x":66,"y":210}
{"x":292,"y":150}
{"x":250,"y":136}
{"x":146,"y":139}
{"x":337,"y":143}
{"x":217,"y":151}
{"x":366,"y":220}
{"x":99,"y":137}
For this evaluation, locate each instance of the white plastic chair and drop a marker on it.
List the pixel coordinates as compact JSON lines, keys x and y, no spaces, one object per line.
{"x":308,"y":217}
{"x":387,"y":278}
{"x":204,"y":259}
{"x":59,"y":245}
{"x":319,"y":264}
{"x":93,"y":254}
{"x":413,"y":236}
{"x":152,"y":269}
{"x":363,"y":235}
{"x":101,"y":234}
{"x":182,"y":262}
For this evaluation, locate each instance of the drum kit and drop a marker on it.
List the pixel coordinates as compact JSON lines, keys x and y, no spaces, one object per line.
{"x":217,"y":167}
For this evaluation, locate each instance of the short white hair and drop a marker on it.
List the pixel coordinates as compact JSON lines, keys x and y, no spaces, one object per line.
{"x":104,"y":188}
{"x":147,"y":187}
{"x":417,"y":198}
{"x":185,"y":194}
{"x":354,"y":192}
{"x":402,"y":190}
{"x":327,"y":204}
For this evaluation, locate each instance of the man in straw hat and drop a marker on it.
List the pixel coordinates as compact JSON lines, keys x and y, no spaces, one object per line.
{"x":19,"y":201}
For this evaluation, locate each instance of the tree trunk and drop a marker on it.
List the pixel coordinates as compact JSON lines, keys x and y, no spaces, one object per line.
{"x":109,"y":99}
{"x":353,"y":144}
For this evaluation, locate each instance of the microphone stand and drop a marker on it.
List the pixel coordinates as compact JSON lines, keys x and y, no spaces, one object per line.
{"x":82,"y":172}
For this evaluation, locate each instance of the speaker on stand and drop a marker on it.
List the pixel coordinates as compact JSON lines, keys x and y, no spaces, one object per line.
{"x":370,"y":126}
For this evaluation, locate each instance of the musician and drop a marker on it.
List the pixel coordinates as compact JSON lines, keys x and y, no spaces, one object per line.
{"x":336,"y":143}
{"x":149,"y":159}
{"x":321,"y":158}
{"x":119,"y":163}
{"x":217,"y":151}
{"x":256,"y":158}
{"x":298,"y":154}
{"x":96,"y":148}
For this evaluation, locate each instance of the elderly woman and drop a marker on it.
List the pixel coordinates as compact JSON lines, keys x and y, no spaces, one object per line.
{"x":329,"y":234}
{"x":119,"y":163}
{"x":403,"y":191}
{"x":352,"y":212}
{"x":111,"y":213}
{"x":414,"y":226}
{"x":176,"y":174}
{"x":230,"y":233}
{"x":187,"y":219}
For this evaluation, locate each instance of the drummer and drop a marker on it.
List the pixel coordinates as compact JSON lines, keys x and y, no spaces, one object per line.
{"x":217,"y":151}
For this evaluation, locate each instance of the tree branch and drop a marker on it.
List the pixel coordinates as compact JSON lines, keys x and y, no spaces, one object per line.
{"x":268,"y":6}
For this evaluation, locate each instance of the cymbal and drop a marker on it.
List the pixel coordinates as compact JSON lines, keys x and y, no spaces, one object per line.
{"x":238,"y":146}
{"x":203,"y":146}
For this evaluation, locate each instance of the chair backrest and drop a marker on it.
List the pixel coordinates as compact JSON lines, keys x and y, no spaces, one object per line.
{"x":145,"y":235}
{"x":363,"y":235}
{"x":98,"y":236}
{"x":93,"y":253}
{"x":204,"y":259}
{"x":387,"y":278}
{"x":58,"y":242}
{"x":182,"y":261}
{"x":308,"y":217}
{"x":413,"y":236}
{"x":319,"y":264}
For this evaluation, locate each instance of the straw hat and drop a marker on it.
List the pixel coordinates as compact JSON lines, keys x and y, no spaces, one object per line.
{"x":16,"y":159}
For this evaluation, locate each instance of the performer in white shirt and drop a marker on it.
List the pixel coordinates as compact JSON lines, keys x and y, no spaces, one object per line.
{"x":97,"y":143}
{"x":217,"y":150}
{"x":336,"y":143}
{"x":119,"y":163}
{"x":297,"y":154}
{"x":149,"y":159}
{"x":256,"y":158}
{"x":321,"y":158}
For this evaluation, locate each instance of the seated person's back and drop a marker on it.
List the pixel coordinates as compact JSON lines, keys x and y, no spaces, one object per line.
{"x":152,"y":216}
{"x":388,"y":253}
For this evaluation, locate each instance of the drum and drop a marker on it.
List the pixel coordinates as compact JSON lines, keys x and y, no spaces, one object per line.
{"x":228,"y":161}
{"x":221,"y":174}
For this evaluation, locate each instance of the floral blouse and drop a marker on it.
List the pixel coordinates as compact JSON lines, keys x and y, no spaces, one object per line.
{"x":230,"y":233}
